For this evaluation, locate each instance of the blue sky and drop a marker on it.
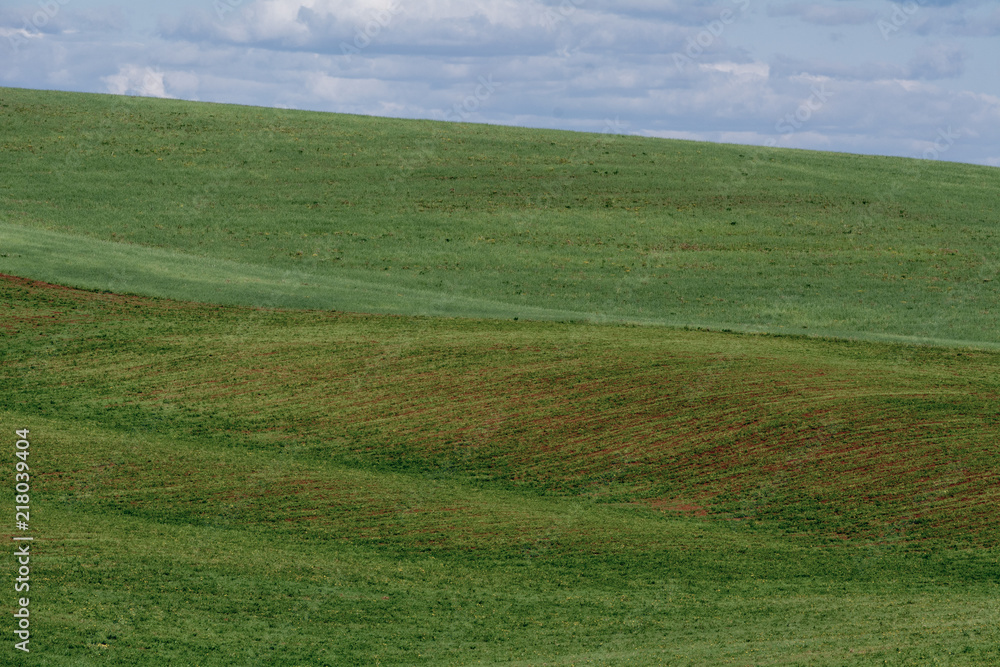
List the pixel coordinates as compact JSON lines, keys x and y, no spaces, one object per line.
{"x":915,"y":78}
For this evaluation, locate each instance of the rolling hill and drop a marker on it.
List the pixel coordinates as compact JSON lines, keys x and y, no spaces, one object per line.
{"x":266,"y":207}
{"x":308,"y":389}
{"x":398,"y":490}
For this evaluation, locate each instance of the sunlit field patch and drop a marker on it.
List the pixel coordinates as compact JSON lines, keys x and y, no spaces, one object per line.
{"x":279,"y":208}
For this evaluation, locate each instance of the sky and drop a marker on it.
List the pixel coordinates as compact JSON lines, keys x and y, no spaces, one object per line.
{"x":915,"y":78}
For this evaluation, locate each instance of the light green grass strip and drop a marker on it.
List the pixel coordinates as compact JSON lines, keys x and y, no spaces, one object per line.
{"x":93,"y":264}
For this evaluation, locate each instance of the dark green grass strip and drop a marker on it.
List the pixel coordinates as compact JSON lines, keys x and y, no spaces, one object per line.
{"x":223,"y":486}
{"x":842,"y":440}
{"x":156,"y":550}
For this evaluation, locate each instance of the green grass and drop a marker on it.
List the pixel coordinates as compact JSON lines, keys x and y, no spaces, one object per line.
{"x":267,"y":207}
{"x":220,"y":480}
{"x":223,"y":486}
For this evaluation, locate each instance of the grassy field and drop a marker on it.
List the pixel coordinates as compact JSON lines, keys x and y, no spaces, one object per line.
{"x":357,"y":391}
{"x":237,"y":486}
{"x":267,"y":207}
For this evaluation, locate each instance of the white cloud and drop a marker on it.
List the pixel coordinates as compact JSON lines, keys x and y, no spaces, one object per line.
{"x":930,"y":62}
{"x":136,"y":80}
{"x":18,"y":36}
{"x":822,"y":14}
{"x":457,"y":28}
{"x":572,"y":64}
{"x":758,"y":70}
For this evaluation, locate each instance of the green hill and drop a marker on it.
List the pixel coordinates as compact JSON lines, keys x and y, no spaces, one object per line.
{"x":255,"y":440}
{"x":224,"y":486}
{"x":254,"y":206}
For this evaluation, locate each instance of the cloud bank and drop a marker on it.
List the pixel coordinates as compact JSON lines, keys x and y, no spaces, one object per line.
{"x":837,"y":75}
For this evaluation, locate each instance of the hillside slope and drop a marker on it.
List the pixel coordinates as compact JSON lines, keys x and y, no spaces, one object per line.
{"x":835,"y":439}
{"x":270,"y":207}
{"x":395,"y":490}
